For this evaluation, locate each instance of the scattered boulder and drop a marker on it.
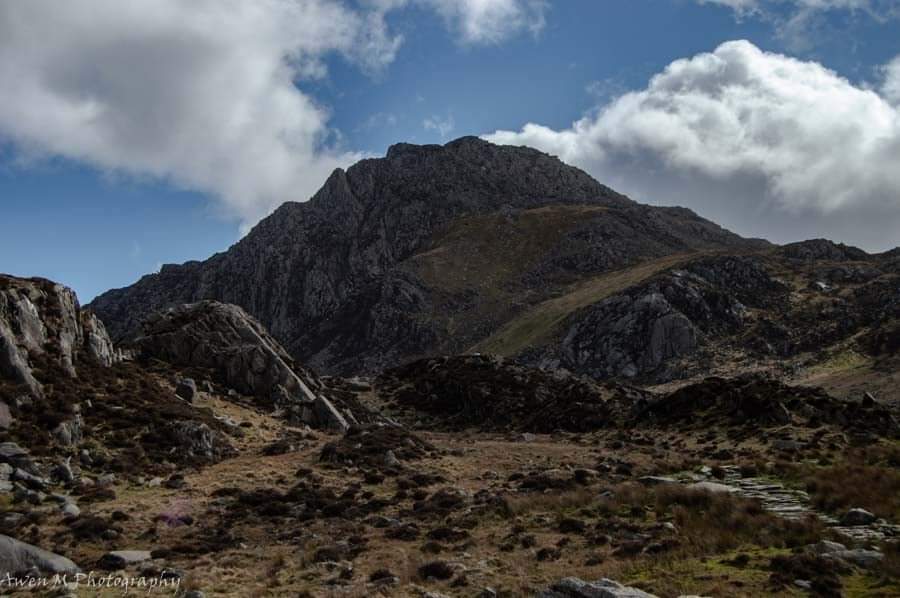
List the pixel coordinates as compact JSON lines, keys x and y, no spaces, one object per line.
{"x":855,"y":517}
{"x":711,"y":487}
{"x":70,"y":511}
{"x":323,"y":414}
{"x":119,"y":559}
{"x":572,"y":587}
{"x":186,"y":389}
{"x":18,"y":558}
{"x":366,"y":446}
{"x":867,"y":559}
{"x":197,"y":439}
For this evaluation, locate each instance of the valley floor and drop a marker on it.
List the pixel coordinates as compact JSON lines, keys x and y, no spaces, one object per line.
{"x":489,"y":515}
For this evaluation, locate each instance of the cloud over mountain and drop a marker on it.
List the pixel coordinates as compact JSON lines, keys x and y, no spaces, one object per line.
{"x":754,"y":132}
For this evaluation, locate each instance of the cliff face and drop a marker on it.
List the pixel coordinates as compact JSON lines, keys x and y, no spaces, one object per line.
{"x":428,"y":250}
{"x":40,"y":317}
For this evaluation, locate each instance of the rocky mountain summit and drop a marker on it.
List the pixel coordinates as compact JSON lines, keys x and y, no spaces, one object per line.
{"x":426,"y":251}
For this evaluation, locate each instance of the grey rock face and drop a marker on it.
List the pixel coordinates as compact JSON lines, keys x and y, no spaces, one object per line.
{"x":224,"y":338}
{"x":18,"y":557}
{"x":97,"y":343}
{"x":637,"y":332}
{"x":339,"y":279}
{"x":572,"y":587}
{"x":35,"y":312}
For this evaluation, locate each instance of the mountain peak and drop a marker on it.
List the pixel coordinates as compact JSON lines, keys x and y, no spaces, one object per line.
{"x":468,"y":141}
{"x":351,"y":281}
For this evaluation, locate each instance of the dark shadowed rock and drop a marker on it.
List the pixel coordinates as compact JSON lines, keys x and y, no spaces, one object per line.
{"x":186,"y":389}
{"x":493,"y":394}
{"x":119,"y":559}
{"x":857,"y":517}
{"x":822,"y":249}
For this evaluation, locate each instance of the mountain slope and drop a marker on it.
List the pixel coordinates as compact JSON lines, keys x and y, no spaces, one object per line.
{"x":429,"y":250}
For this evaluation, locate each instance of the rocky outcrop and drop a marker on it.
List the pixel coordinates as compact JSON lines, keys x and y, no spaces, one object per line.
{"x":386,"y":263}
{"x":481,"y":391}
{"x":225,"y":339}
{"x":243,"y":356}
{"x":822,"y":249}
{"x":757,"y":400}
{"x":39,"y":317}
{"x":641,"y":330}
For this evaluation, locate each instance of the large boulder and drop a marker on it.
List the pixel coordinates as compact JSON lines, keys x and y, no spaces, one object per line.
{"x":572,"y":587}
{"x":222,"y":337}
{"x":18,"y":558}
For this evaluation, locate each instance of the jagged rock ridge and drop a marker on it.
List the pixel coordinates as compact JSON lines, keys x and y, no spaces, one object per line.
{"x":426,"y":251}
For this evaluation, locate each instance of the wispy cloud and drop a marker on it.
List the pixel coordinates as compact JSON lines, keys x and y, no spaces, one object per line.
{"x":443,"y":126}
{"x":802,"y":24}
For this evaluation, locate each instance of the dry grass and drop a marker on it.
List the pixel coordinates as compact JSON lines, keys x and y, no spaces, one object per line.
{"x":714,"y":523}
{"x":868,"y":478}
{"x":551,"y":503}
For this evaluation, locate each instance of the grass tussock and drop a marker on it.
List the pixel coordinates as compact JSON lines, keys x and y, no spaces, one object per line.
{"x":714,"y":523}
{"x":551,"y":503}
{"x":867,"y":478}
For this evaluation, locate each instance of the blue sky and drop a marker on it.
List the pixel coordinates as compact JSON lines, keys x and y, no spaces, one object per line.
{"x":96,"y":210}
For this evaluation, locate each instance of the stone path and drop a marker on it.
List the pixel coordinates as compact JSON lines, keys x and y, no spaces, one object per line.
{"x":791,"y":503}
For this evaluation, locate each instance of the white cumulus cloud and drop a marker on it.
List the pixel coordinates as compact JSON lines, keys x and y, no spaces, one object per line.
{"x":206,"y":94}
{"x":768,"y":144}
